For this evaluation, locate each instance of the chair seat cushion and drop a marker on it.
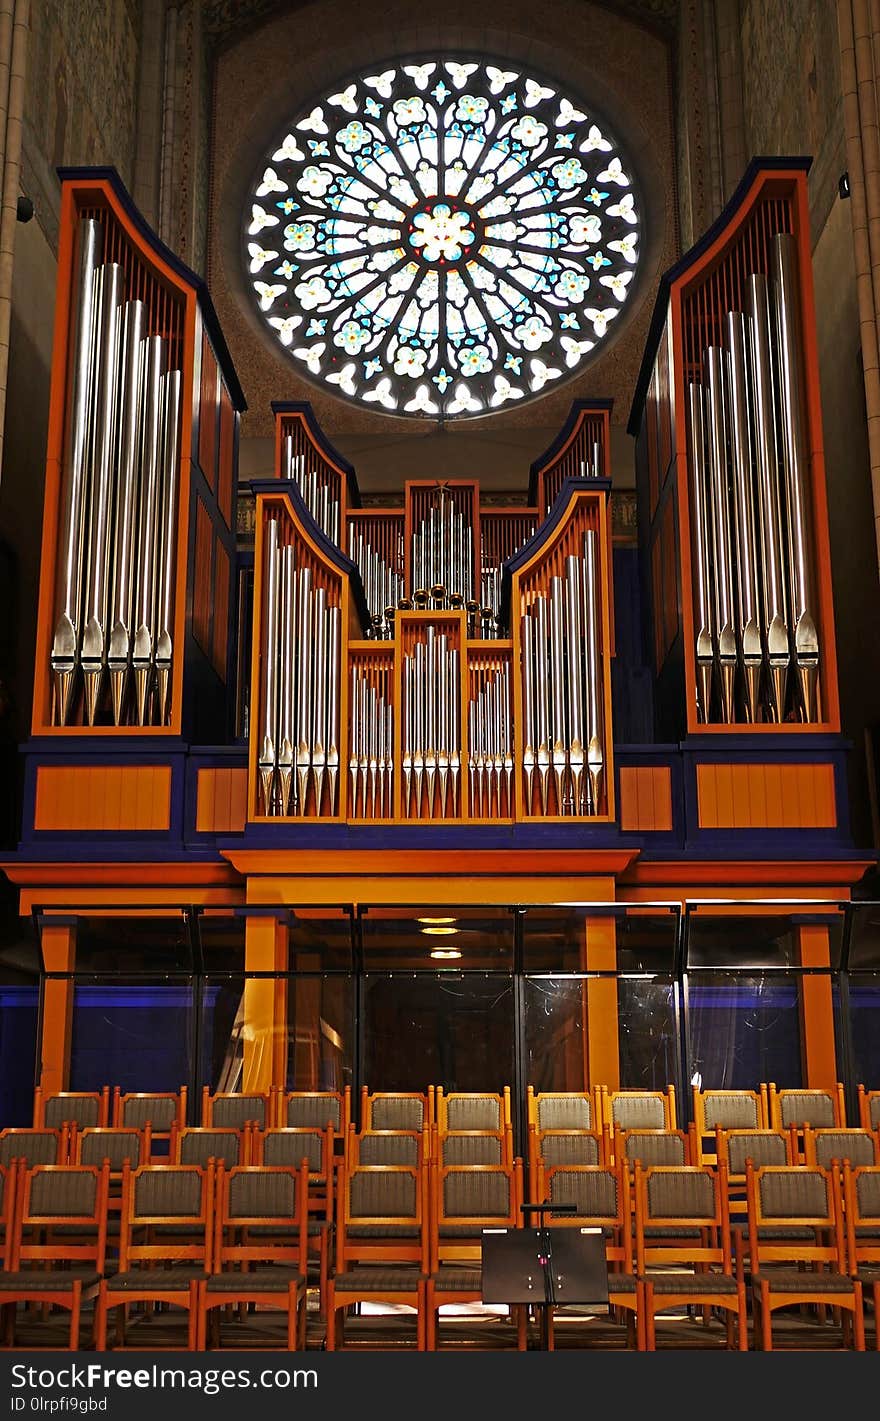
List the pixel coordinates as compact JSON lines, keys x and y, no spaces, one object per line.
{"x":378,"y":1280}
{"x":869,"y":1272}
{"x":383,"y":1230}
{"x":474,"y":1231}
{"x":672,"y":1232}
{"x":274,"y":1279}
{"x":47,"y":1280}
{"x":458,"y":1280}
{"x":791,"y":1280}
{"x":667,"y":1283}
{"x":787,"y":1233}
{"x":621,"y":1283}
{"x":173,"y":1280}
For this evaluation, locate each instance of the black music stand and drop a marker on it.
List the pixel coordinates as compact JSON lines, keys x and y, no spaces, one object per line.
{"x":544,"y":1266}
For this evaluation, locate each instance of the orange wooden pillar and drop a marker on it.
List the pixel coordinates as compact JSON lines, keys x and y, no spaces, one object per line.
{"x":817,"y":1010}
{"x":58,"y":945}
{"x":265,"y":1004}
{"x":601,"y":1024}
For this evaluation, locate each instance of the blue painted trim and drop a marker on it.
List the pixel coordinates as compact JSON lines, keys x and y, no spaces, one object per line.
{"x":538,"y":466}
{"x":108,"y":174}
{"x":330,"y":550}
{"x":304,"y":408}
{"x":756,"y":168}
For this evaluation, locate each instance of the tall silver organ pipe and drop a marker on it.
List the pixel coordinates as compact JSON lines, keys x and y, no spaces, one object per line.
{"x":490,"y":747}
{"x":795,"y":463}
{"x":770,"y":507}
{"x":119,"y":490}
{"x":94,"y":650}
{"x":563,"y":730}
{"x":314,"y":487}
{"x":300,"y":666}
{"x":725,"y":599}
{"x":442,"y":558}
{"x":701,"y":538}
{"x":748,"y":627}
{"x":383,"y":585}
{"x":68,"y":626}
{"x":371,"y":759}
{"x":431,"y":731}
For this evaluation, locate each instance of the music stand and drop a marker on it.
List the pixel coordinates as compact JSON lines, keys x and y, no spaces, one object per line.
{"x":544,"y":1266}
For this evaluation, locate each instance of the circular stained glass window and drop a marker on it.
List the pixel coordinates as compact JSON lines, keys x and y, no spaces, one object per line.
{"x":442,"y":238}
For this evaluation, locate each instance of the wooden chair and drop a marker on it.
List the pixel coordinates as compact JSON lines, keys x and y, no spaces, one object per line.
{"x":734,"y":1147}
{"x":601,"y":1194}
{"x":684,"y":1246}
{"x":199,"y":1144}
{"x":85,"y":1109}
{"x":260,"y":1247}
{"x":726,"y":1110}
{"x":310,"y":1109}
{"x":869,"y":1108}
{"x":288,"y":1148}
{"x":638,"y":1109}
{"x":548,"y":1148}
{"x":471,"y":1110}
{"x":465,"y":1200}
{"x":820,"y":1109}
{"x":797,"y":1251}
{"x":382,"y":1252}
{"x":119,"y":1147}
{"x":160,"y":1110}
{"x":473,"y":1147}
{"x":165,"y":1245}
{"x":824,"y":1147}
{"x":396,"y":1110}
{"x":33,"y":1146}
{"x":229,"y":1110}
{"x":49,"y":1268}
{"x":407,"y":1147}
{"x":9,"y":1174}
{"x":861,"y":1207}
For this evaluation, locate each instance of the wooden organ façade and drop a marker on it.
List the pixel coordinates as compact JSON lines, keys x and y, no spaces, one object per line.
{"x":429,"y":701}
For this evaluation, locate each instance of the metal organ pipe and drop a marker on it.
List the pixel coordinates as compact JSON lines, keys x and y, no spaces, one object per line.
{"x":741,"y":458}
{"x":795,"y":463}
{"x":704,"y":611}
{"x":168,"y":529}
{"x":592,"y":663}
{"x":143,"y":651}
{"x":725,"y":609}
{"x":269,"y":665}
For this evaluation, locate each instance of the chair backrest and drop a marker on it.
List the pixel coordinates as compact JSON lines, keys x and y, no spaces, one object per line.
{"x":602,"y":1196}
{"x":198,"y":1145}
{"x":795,"y":1215}
{"x":314,"y":1109}
{"x":861,"y":1206}
{"x":652,"y":1147}
{"x":639,"y":1109}
{"x":290,"y":1146}
{"x":405,"y":1147}
{"x":472,"y":1110}
{"x":682,"y":1215}
{"x":134,"y":1110}
{"x":396,"y":1110}
{"x":821,"y":1109}
{"x":869,"y":1108}
{"x":472,"y":1147}
{"x":860,"y":1147}
{"x":9,"y":1173}
{"x":468,"y":1198}
{"x":561,"y":1110}
{"x":117,"y":1146}
{"x":70,"y":1196}
{"x":157,"y":1200}
{"x":262,"y":1215}
{"x":382,"y":1215}
{"x":760,"y":1146}
{"x":232,"y":1111}
{"x":729,"y":1109}
{"x":85,"y":1109}
{"x":570,"y":1147}
{"x":34,"y":1146}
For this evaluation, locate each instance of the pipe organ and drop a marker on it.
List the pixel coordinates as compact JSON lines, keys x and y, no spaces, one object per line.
{"x":727,"y":421}
{"x":141,"y":373}
{"x":456,"y":657}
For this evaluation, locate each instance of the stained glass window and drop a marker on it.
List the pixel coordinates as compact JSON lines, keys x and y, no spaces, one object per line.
{"x":442,"y":237}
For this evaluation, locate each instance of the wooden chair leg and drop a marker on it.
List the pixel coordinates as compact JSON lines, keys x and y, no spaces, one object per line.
{"x":292,"y":1317}
{"x":858,"y":1316}
{"x":101,"y":1319}
{"x":766,"y":1321}
{"x":192,"y":1318}
{"x":75,"y":1311}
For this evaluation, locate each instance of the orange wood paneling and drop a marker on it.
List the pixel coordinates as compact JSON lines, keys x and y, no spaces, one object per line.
{"x":221,"y":609}
{"x":221,"y":801}
{"x":203,"y":588}
{"x":645,"y":797}
{"x":817,"y":1010}
{"x":57,"y":944}
{"x":103,"y":797}
{"x":766,"y":796}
